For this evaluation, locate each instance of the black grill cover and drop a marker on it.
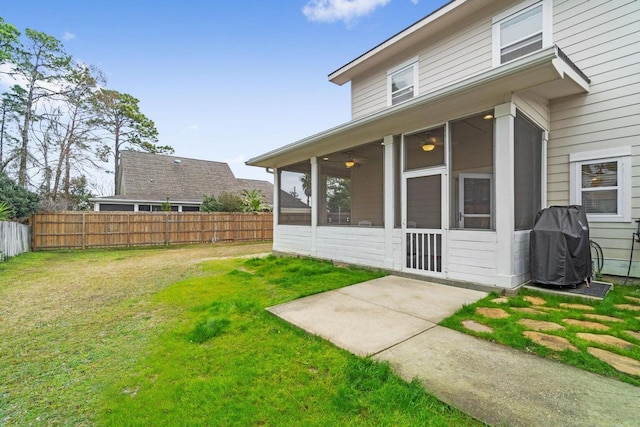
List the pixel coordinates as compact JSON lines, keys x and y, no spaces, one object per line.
{"x":559,"y":246}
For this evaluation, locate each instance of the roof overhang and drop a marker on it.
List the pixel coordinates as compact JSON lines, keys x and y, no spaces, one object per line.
{"x":442,"y":18}
{"x":547,"y":73}
{"x":131,"y":201}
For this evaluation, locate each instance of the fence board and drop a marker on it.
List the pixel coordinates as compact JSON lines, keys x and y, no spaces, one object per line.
{"x":14,"y":239}
{"x":56,"y":230}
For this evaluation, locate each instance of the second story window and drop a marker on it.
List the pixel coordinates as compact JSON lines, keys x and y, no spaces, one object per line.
{"x":521,"y":31}
{"x":402,"y":82}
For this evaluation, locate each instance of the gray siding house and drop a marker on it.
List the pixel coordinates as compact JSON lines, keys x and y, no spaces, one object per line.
{"x":464,"y":125}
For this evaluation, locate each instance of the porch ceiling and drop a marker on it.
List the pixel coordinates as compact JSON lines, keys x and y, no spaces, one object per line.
{"x":548,"y":73}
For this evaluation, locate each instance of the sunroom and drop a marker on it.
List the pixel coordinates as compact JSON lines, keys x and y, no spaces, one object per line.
{"x":445,"y":185}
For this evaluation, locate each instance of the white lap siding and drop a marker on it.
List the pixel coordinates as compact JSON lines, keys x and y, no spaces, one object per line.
{"x":293,"y":239}
{"x":603,"y":40}
{"x":472,"y":256}
{"x":354,"y":245}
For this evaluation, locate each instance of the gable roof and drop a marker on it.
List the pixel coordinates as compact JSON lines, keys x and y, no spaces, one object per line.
{"x":287,"y":201}
{"x":443,"y":18}
{"x":155,"y":177}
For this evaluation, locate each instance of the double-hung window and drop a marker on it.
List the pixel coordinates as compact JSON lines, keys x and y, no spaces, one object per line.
{"x":402,"y":82}
{"x":601,"y":182}
{"x":521,"y":31}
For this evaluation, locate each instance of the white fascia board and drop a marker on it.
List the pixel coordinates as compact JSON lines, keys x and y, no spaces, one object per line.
{"x":340,"y":76}
{"x":543,"y":58}
{"x":142,"y":201}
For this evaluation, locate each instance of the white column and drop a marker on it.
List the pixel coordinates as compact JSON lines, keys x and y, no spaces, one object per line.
{"x":389,"y":200}
{"x":314,"y":204}
{"x":276,"y":206}
{"x":505,"y":209}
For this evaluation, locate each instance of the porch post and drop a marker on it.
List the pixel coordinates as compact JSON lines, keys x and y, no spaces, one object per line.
{"x":389,"y":201}
{"x":505,"y":209}
{"x":276,"y":205}
{"x":314,"y":204}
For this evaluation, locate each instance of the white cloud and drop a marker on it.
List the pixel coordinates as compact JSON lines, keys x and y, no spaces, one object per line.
{"x":68,"y":36}
{"x":414,"y":1}
{"x":340,"y":10}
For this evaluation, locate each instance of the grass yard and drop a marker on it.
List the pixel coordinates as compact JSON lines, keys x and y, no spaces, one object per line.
{"x":578,"y":326}
{"x":180,"y":336}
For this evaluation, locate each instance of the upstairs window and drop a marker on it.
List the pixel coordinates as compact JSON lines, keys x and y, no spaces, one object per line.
{"x":521,"y":31}
{"x":402,"y":82}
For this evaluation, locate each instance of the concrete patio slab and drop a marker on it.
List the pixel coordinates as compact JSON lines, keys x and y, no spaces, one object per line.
{"x":372,"y":316}
{"x":506,"y":387}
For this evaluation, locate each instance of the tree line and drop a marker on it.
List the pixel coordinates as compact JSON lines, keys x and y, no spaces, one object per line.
{"x":59,"y":120}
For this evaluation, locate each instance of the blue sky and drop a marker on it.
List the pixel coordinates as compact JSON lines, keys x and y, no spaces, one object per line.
{"x":224,"y":80}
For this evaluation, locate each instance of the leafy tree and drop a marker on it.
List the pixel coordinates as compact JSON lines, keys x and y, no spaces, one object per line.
{"x":209,"y":204}
{"x":305,"y":180}
{"x":338,"y":194}
{"x":118,"y":114}
{"x":254,"y":201}
{"x":229,"y":202}
{"x":22,"y":202}
{"x":8,"y":41}
{"x":165,"y":206}
{"x":39,"y":67}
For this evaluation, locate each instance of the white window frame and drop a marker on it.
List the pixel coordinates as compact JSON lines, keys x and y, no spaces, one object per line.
{"x":622,"y":155}
{"x":411,"y":63}
{"x":547,"y":25}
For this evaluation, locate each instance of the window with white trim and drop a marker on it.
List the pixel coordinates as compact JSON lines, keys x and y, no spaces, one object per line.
{"x":402,"y":82}
{"x":521,"y":31}
{"x":601,"y":182}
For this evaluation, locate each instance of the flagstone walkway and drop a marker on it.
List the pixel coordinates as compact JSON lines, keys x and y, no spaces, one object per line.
{"x":601,"y":345}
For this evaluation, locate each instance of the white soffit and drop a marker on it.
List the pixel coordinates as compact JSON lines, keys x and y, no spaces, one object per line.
{"x":545,"y":73}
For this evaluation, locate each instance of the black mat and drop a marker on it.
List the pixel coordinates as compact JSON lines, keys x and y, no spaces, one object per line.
{"x":595,"y":289}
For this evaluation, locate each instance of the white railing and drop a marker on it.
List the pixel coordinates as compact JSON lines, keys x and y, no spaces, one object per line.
{"x":424,"y":251}
{"x":14,"y":239}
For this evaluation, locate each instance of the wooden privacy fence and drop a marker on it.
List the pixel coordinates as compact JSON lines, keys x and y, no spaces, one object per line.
{"x":14,"y":239}
{"x":57,"y":230}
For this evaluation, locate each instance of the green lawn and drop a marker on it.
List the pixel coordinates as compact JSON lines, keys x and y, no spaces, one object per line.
{"x":174,"y":337}
{"x":509,"y":331}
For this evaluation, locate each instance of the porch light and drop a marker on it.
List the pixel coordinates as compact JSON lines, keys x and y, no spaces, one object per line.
{"x":349,"y":163}
{"x":488,"y":116}
{"x":429,"y":144}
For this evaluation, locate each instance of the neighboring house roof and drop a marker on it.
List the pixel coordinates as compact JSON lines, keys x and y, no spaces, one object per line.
{"x":287,"y":201}
{"x":153,"y":178}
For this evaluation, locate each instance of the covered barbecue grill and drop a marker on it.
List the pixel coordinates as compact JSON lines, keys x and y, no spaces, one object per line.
{"x":559,"y":247}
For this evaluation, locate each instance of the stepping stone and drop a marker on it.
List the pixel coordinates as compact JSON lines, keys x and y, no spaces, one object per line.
{"x":550,"y":341}
{"x":528,"y":310}
{"x":475,"y":326}
{"x":631,"y":307}
{"x":535,"y":300}
{"x":493,"y":313}
{"x":577,"y":306}
{"x":500,"y":300}
{"x":606,"y":340}
{"x":633,"y":299}
{"x":620,"y":363}
{"x":634,"y":334}
{"x":603,"y":318}
{"x":539,"y":325}
{"x":587,"y":325}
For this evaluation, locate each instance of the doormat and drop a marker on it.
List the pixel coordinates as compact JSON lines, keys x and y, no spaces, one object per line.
{"x":594,"y":290}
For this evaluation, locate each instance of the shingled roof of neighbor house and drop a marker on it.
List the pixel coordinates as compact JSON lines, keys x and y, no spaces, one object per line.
{"x":155,"y":177}
{"x":148,"y":176}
